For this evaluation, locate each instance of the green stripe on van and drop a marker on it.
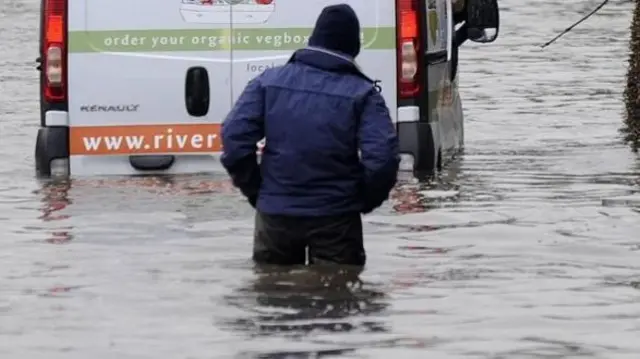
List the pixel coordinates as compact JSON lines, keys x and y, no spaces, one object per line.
{"x":210,"y":39}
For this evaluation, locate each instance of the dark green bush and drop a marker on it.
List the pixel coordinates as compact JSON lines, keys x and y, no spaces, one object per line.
{"x":631,"y":129}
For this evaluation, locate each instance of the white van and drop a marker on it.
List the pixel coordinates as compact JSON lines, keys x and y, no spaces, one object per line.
{"x":135,"y":87}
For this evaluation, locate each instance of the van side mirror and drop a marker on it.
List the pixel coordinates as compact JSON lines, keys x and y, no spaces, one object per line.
{"x":483,"y":20}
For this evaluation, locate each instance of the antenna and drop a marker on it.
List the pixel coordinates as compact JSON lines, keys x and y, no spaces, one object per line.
{"x":575,"y":24}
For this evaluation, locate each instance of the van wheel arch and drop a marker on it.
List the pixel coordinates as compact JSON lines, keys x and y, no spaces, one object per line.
{"x":454,"y":61}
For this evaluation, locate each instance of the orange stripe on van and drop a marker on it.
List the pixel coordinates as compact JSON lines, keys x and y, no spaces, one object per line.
{"x":140,"y":139}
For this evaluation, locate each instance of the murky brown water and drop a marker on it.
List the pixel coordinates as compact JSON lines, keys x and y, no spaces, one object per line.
{"x":526,"y":249}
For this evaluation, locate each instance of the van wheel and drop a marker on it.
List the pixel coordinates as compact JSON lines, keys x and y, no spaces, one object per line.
{"x":52,"y":143}
{"x":439,"y":161}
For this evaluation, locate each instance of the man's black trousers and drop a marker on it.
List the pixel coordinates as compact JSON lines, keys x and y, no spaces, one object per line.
{"x":284,"y":240}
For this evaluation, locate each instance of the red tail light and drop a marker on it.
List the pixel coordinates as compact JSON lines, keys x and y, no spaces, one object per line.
{"x":54,"y":51}
{"x":408,"y":47}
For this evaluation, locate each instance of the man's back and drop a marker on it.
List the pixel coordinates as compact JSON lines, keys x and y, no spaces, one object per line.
{"x":310,"y":164}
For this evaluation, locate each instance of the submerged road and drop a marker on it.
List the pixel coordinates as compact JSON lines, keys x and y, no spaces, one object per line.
{"x":525,"y":248}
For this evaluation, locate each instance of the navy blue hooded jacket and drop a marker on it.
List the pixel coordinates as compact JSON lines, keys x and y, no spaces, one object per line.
{"x":316,"y":112}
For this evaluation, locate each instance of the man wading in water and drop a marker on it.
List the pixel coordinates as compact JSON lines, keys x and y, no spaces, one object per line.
{"x":316,"y":112}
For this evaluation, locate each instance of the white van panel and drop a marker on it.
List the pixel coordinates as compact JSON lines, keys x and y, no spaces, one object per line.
{"x":127,"y":69}
{"x":271,"y":42}
{"x":128,"y":62}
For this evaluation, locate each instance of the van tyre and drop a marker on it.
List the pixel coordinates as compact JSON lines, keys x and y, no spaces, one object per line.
{"x":416,"y":138}
{"x":51,"y":143}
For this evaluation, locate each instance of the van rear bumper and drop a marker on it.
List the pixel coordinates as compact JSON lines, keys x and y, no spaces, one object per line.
{"x":53,"y":157}
{"x":418,"y":139}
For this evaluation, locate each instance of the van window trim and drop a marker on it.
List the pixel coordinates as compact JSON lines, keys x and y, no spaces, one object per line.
{"x":442,"y":55}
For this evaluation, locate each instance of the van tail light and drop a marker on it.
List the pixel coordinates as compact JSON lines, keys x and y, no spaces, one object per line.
{"x":54,"y":50}
{"x":408,"y":48}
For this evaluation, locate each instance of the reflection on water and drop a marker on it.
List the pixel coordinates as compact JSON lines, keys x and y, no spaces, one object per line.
{"x":295,"y":303}
{"x":55,"y":198}
{"x":413,"y":197}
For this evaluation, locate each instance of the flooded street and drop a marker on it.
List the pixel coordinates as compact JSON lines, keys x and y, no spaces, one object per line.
{"x":526,"y":248}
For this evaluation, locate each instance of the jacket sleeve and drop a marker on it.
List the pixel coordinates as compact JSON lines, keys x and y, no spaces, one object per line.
{"x":379,"y":153}
{"x":241,"y":131}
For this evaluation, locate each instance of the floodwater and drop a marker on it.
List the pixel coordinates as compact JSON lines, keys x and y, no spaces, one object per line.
{"x":528,"y":246}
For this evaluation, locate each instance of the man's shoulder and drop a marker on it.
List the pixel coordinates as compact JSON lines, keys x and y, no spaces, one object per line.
{"x":272,"y":75}
{"x":348,"y":84}
{"x":274,"y":71}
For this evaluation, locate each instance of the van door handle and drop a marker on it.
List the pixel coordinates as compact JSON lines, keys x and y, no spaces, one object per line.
{"x":197,"y":92}
{"x":436,"y":57}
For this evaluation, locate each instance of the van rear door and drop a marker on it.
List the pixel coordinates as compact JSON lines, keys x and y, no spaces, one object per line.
{"x":269,"y":31}
{"x":147,"y":77}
